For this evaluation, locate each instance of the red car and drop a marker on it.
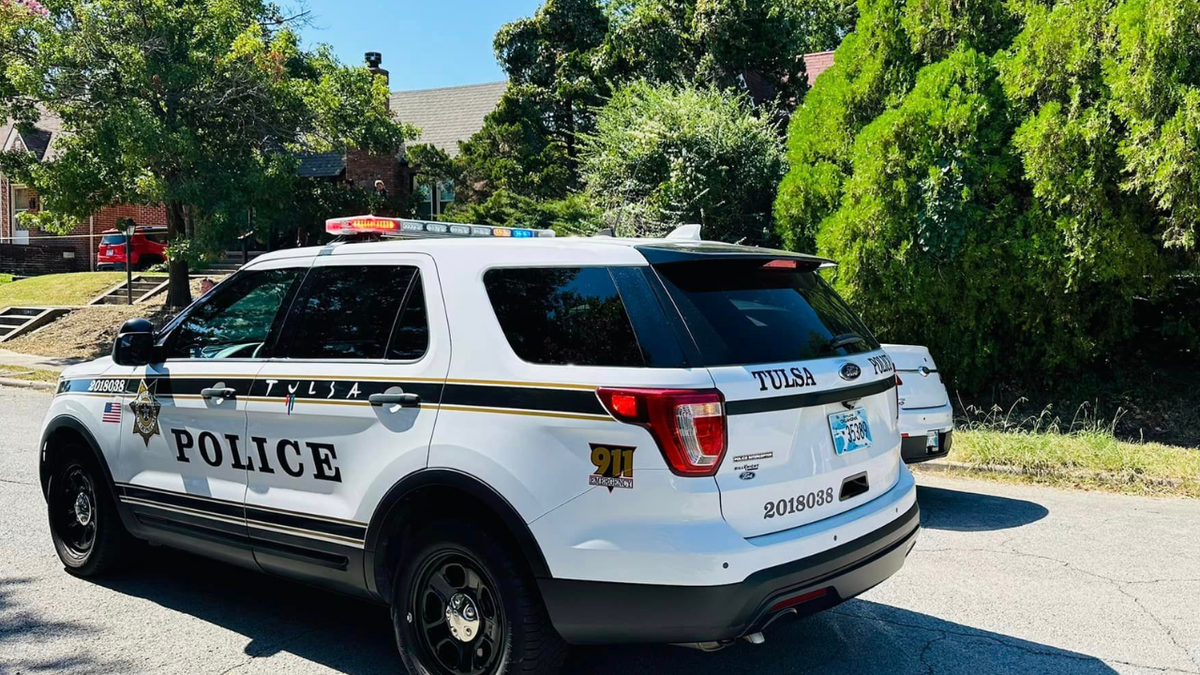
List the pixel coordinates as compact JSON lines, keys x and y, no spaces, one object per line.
{"x":149,"y":248}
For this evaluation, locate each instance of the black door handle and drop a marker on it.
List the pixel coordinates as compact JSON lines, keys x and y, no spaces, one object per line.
{"x":402,"y":400}
{"x":218,"y":392}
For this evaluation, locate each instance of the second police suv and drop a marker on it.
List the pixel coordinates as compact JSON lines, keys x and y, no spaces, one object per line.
{"x":516,"y":441}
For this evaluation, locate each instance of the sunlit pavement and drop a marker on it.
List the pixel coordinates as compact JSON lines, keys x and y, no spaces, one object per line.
{"x":1003,"y":579}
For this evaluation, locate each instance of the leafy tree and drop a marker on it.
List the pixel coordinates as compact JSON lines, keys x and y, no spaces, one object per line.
{"x":195,"y":104}
{"x":1020,"y":171}
{"x":529,"y":143}
{"x":666,"y":155}
{"x":725,"y":43}
{"x":564,"y":62}
{"x":573,"y":215}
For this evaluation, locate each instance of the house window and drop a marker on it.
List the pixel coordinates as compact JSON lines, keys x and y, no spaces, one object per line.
{"x":24,"y":200}
{"x":435,"y":198}
{"x":425,"y":208}
{"x":445,"y":195}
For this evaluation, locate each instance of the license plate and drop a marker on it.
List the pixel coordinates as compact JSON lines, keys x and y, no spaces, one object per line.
{"x":850,"y":430}
{"x":931,"y":441}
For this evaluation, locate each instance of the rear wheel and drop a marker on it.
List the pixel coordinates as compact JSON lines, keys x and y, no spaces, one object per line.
{"x":87,"y":532}
{"x":462,"y":605}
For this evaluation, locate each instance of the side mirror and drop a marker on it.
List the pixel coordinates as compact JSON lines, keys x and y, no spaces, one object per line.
{"x":134,"y":345}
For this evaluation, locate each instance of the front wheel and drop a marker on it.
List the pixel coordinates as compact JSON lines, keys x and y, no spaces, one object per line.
{"x":463,"y":605}
{"x":87,"y":532}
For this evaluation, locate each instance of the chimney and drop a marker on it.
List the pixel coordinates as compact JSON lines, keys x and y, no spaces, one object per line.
{"x":373,"y":61}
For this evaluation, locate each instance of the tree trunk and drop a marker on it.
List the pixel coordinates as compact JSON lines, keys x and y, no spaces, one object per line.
{"x":179,"y":292}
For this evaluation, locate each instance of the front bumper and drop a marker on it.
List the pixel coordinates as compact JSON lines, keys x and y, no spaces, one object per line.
{"x":592,"y":612}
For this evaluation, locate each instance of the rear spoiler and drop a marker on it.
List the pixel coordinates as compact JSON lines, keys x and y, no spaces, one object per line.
{"x":682,"y":250}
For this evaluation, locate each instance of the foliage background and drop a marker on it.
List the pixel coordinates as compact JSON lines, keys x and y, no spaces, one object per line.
{"x":1013,"y":184}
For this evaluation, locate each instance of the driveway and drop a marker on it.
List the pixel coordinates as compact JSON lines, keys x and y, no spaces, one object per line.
{"x":1003,"y":579}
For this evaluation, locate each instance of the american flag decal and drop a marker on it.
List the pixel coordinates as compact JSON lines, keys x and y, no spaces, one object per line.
{"x":112,"y":412}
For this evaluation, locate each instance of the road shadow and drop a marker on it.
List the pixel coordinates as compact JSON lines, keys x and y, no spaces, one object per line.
{"x":354,"y":637}
{"x":945,"y":509}
{"x":23,"y":630}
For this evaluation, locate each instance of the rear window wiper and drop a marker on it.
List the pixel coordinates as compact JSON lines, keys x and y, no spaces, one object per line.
{"x":843,"y":340}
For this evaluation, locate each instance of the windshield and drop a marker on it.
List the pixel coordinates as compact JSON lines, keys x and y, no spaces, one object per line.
{"x":113,"y":240}
{"x":743,"y":312}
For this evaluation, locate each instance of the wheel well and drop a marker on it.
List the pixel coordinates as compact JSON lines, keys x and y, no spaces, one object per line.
{"x":65,"y":432}
{"x":439,"y":501}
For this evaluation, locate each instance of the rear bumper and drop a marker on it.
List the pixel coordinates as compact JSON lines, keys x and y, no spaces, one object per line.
{"x":914,"y":449}
{"x":590,"y":612}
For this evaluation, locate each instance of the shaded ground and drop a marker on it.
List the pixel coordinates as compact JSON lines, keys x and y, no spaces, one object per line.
{"x":1003,"y":579}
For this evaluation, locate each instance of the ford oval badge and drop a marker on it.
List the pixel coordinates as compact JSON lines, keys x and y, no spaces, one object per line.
{"x":746,"y":475}
{"x":850,"y":372}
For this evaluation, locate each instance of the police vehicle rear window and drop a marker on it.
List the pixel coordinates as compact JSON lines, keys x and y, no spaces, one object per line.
{"x":744,"y":312}
{"x":349,"y":312}
{"x":564,"y":315}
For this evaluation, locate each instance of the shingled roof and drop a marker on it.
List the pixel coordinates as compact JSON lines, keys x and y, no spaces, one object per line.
{"x":449,"y":114}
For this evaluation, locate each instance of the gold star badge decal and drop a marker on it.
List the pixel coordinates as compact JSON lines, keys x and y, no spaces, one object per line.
{"x":145,"y":412}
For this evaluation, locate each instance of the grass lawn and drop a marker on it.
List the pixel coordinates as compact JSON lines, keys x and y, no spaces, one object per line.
{"x":5,"y":278}
{"x":31,"y":374}
{"x":1090,"y":459}
{"x":58,"y":289}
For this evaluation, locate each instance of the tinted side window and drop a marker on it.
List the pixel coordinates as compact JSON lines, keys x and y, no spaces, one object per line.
{"x":563,"y":315}
{"x":236,"y":320}
{"x":410,"y":338}
{"x":347,"y":312}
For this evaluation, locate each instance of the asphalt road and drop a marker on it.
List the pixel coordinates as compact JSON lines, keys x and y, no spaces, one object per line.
{"x":1003,"y":579}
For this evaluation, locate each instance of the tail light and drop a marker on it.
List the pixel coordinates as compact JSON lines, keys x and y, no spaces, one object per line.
{"x":687,"y":424}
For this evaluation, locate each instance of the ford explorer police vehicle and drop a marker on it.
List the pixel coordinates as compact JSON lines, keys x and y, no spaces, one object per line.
{"x":516,"y":441}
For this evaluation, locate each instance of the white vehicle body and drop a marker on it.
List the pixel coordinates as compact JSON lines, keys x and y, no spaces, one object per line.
{"x":304,"y":467}
{"x":926,"y":415}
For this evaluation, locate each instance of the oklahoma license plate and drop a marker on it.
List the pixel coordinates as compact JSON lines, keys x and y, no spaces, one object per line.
{"x":850,"y":430}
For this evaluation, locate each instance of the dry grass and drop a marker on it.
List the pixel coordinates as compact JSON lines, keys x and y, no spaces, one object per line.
{"x":1087,"y":458}
{"x":88,"y":332}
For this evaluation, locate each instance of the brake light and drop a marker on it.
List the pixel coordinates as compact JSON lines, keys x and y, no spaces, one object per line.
{"x":687,"y":424}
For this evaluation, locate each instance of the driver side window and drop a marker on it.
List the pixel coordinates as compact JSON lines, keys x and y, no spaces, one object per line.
{"x":236,"y":320}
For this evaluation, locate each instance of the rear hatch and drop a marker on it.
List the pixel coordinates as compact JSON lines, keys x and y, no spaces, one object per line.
{"x":809,"y":394}
{"x":921,"y":384}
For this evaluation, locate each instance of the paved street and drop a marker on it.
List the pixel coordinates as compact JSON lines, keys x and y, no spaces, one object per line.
{"x":1003,"y":579}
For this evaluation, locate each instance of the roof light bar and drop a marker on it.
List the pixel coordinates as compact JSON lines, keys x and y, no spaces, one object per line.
{"x":405,"y":228}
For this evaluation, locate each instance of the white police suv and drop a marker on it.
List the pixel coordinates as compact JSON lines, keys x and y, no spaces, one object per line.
{"x":516,"y":441}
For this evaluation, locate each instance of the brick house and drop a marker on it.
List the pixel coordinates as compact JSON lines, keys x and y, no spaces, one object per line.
{"x":30,"y":251}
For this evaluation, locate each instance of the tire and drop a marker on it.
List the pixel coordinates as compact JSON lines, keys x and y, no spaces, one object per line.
{"x":88,"y":534}
{"x":483,"y":579}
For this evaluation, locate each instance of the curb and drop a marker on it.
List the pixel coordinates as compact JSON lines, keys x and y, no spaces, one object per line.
{"x":26,"y":384}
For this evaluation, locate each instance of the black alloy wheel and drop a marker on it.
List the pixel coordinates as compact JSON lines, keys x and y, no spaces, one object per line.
{"x":74,"y":511}
{"x":88,"y":534}
{"x":458,"y":615}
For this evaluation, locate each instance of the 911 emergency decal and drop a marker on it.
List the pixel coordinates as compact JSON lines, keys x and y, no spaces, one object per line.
{"x":614,"y":466}
{"x":145,"y":410}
